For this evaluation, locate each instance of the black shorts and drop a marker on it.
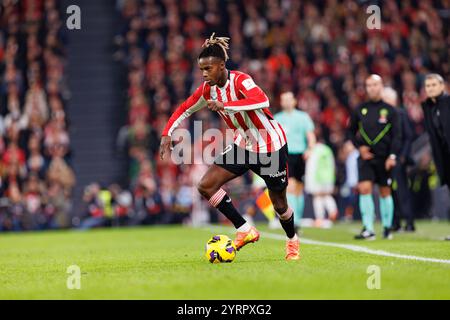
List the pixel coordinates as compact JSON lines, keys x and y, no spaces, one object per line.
{"x":296,"y":166}
{"x":272,"y":167}
{"x":374,"y":170}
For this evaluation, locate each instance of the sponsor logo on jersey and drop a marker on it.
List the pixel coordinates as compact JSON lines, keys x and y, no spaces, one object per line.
{"x":383,"y":116}
{"x":248,"y":84}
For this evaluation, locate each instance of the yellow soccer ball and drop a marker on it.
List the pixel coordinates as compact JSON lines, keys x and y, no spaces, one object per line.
{"x":220,"y":248}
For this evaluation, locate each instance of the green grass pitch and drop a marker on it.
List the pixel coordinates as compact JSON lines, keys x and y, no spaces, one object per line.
{"x":168,"y":263}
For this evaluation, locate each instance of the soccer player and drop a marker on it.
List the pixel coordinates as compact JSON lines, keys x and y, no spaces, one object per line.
{"x":375,"y":131}
{"x":259,"y":141}
{"x":299,"y":130}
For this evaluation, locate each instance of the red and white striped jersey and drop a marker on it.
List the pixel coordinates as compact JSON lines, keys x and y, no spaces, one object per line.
{"x":246,"y":113}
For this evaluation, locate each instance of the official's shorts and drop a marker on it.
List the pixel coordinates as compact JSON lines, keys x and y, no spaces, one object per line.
{"x":296,"y":166}
{"x":374,"y":171}
{"x":272,"y":167}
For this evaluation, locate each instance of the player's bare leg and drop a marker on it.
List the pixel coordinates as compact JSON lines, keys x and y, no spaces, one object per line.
{"x":367,"y":209}
{"x":386,"y":211}
{"x":210,"y":187}
{"x":295,"y":199}
{"x":286,"y":215}
{"x":213,"y":179}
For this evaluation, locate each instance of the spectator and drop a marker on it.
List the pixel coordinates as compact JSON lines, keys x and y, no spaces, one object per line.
{"x":95,"y":208}
{"x":60,"y":172}
{"x":32,"y":83}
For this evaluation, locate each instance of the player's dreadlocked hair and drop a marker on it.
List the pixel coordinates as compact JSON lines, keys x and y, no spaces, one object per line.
{"x":215,"y":47}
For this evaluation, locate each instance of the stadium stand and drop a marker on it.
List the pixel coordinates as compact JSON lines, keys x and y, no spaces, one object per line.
{"x":36,"y":179}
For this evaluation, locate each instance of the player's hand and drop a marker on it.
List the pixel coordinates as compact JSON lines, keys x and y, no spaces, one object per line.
{"x":215,"y":105}
{"x":365,"y":153}
{"x":390,"y":163}
{"x":165,"y":146}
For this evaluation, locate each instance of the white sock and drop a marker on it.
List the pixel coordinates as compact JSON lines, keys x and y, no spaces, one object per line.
{"x":244,"y":228}
{"x":249,"y":219}
{"x":294,"y":238}
{"x":330,"y":204}
{"x":319,"y":207}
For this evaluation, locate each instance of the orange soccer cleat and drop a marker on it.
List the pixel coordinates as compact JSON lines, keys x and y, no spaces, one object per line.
{"x":292,"y":249}
{"x":242,"y":238}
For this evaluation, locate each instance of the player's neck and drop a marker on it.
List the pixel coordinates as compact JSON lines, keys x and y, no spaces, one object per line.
{"x":223,"y":79}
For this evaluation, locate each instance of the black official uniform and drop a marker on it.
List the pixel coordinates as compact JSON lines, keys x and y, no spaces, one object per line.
{"x":437,"y":124}
{"x":376,"y":124}
{"x":401,"y":194}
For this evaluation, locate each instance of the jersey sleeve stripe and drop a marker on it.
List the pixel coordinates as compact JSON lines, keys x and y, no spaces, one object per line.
{"x":201,"y":102}
{"x":254,"y":106}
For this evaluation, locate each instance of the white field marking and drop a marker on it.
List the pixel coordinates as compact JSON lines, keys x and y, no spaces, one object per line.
{"x":350,"y":247}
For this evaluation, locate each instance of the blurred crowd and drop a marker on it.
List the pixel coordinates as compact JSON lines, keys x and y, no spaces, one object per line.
{"x":320,"y":50}
{"x":36,"y":179}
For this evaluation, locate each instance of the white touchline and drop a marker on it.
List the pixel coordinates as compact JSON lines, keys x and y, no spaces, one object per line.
{"x":350,"y":247}
{"x":358,"y":249}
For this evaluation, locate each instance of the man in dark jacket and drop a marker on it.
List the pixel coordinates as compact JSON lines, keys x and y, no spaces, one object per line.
{"x":436,"y":110}
{"x":401,"y":192}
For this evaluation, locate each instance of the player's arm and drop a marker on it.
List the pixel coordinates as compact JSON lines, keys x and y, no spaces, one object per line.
{"x":254,"y":99}
{"x":353,"y":129}
{"x":353,"y":136}
{"x":191,"y":105}
{"x":311,"y":139}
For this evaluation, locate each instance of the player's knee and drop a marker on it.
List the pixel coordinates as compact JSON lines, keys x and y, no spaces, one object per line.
{"x":204,"y":188}
{"x":280,"y":206}
{"x":364,"y":191}
{"x":364,"y":188}
{"x":279,"y":201}
{"x":281,"y":210}
{"x":385,"y":192}
{"x":292,"y":186}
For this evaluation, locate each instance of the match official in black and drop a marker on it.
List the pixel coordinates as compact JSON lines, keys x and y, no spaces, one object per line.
{"x":436,"y":110}
{"x":375,"y":131}
{"x":401,"y":192}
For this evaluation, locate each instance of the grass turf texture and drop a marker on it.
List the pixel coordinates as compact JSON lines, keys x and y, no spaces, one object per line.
{"x":168,"y":263}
